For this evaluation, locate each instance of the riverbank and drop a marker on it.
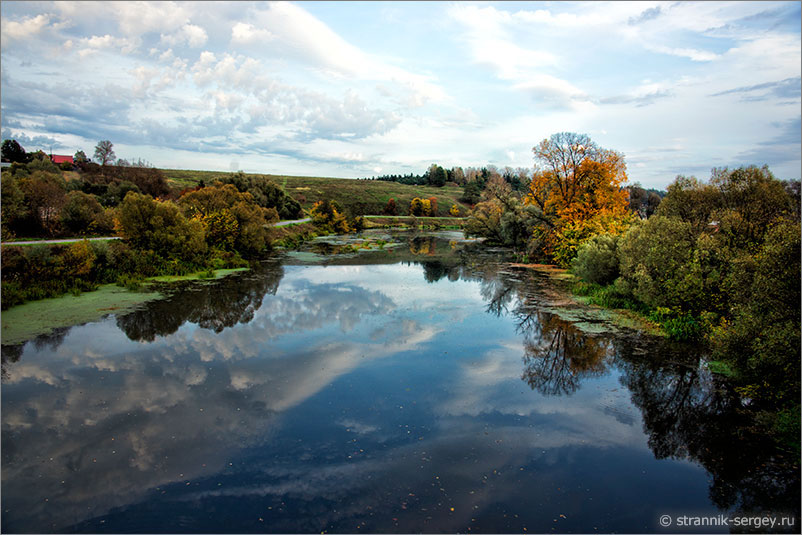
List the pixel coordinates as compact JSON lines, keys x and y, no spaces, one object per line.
{"x":381,"y":221}
{"x":586,"y":314}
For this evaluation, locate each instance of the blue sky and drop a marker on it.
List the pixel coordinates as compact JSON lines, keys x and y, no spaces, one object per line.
{"x":357,"y":89}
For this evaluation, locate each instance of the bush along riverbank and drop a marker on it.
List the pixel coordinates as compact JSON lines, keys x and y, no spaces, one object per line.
{"x":717,"y":265}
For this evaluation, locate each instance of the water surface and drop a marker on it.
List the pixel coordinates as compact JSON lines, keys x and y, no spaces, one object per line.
{"x":425,"y":388}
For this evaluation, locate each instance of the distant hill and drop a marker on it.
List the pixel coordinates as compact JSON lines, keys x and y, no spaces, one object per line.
{"x":360,"y":197}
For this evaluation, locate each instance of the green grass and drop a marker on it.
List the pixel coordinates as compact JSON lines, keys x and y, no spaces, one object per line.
{"x":360,"y":197}
{"x":721,"y":368}
{"x":408,"y":221}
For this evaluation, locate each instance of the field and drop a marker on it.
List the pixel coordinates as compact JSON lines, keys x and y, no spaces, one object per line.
{"x":360,"y":197}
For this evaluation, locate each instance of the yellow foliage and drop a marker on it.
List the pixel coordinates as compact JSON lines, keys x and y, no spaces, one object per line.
{"x":580,"y":193}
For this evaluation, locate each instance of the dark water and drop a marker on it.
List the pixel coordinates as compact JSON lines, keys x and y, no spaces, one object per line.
{"x":425,"y":388}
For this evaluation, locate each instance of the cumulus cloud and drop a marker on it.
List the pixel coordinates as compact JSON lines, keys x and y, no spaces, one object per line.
{"x":189,"y":34}
{"x":243,"y":33}
{"x":25,"y":28}
{"x":137,"y":18}
{"x":107,"y":42}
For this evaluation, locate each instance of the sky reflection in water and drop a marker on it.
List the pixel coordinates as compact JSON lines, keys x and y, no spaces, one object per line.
{"x":347,"y":398}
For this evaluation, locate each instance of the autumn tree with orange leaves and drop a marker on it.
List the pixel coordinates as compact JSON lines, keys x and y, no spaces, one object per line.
{"x":578,"y":192}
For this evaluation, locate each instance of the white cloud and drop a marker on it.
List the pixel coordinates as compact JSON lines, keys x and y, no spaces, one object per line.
{"x":245,"y":34}
{"x":138,"y":18}
{"x":291,"y":87}
{"x":555,"y":92}
{"x":690,"y":53}
{"x":189,"y":34}
{"x":108,"y":43}
{"x":25,"y":28}
{"x":300,"y":35}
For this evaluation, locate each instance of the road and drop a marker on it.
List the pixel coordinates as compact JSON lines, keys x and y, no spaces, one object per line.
{"x":285,"y":223}
{"x":67,"y":240}
{"x":70,"y":240}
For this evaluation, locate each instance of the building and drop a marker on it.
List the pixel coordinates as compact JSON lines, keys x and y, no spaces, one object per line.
{"x":58,"y":159}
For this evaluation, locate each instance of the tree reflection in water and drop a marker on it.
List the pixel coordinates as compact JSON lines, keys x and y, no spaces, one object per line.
{"x":688,"y":413}
{"x":224,"y":303}
{"x":558,"y":356}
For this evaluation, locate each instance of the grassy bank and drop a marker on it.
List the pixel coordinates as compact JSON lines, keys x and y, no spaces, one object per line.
{"x":677,"y":326}
{"x":377,"y":221}
{"x":291,"y":236}
{"x":621,"y":316}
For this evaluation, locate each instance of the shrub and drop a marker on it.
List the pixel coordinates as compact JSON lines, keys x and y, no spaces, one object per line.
{"x":81,"y":213}
{"x":597,"y":260}
{"x":160,"y":227}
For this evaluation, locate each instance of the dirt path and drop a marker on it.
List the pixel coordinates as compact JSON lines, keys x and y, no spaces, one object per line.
{"x":66,"y":240}
{"x":71,"y":240}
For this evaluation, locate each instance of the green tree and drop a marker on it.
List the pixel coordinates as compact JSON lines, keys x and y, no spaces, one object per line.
{"x":597,"y":260}
{"x":231,"y":219}
{"x":692,"y":201}
{"x":13,"y":151}
{"x":266,"y":193}
{"x":80,"y":157}
{"x":436,"y":176}
{"x":750,"y":200}
{"x":12,"y":207}
{"x":762,"y":340}
{"x":471,"y":192}
{"x":104,"y":152}
{"x":45,"y":194}
{"x":159,"y":226}
{"x":83,"y":214}
{"x":654,"y":255}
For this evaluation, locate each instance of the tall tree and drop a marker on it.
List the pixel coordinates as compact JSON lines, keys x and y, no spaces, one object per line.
{"x":13,"y":151}
{"x":104,"y":152}
{"x":578,"y":191}
{"x":436,"y":176}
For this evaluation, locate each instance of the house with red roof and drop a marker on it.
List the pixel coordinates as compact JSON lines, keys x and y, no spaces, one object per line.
{"x":57,"y":159}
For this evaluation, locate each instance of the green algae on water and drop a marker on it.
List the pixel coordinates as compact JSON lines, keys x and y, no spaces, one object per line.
{"x":29,"y":320}
{"x":218,"y":274}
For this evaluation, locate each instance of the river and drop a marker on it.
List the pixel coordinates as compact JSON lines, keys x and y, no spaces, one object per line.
{"x":422,"y":385}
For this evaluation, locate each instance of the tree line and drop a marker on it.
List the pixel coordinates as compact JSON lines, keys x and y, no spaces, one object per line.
{"x":164,"y":230}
